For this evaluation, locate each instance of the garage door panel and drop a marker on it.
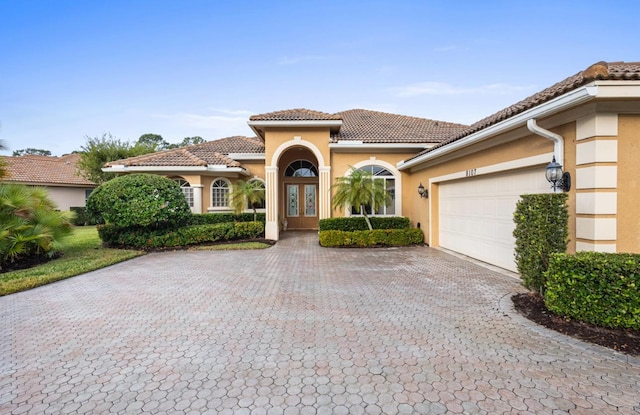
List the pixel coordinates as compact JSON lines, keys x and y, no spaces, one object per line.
{"x":476,"y":214}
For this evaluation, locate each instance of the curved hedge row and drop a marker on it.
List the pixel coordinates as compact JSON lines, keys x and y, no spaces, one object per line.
{"x":189,"y":235}
{"x":595,"y":287}
{"x":376,"y":237}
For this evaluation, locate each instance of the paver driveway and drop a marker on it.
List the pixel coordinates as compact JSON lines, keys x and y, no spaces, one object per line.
{"x":296,"y":329}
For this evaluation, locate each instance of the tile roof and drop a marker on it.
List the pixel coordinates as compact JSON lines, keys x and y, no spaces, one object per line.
{"x":380,"y":127}
{"x":211,"y":152}
{"x":237,"y":144}
{"x":45,"y":170}
{"x":298,"y":114}
{"x":597,"y":71}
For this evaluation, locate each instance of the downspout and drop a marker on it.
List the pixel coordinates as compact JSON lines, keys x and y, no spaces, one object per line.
{"x":558,"y":141}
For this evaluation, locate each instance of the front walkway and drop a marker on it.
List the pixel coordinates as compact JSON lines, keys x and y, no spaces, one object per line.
{"x":296,"y":329}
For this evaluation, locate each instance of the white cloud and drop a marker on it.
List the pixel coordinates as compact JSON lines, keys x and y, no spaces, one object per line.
{"x":210,"y":123}
{"x":441,"y":88}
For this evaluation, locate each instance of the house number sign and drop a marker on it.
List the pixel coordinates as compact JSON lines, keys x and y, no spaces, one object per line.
{"x":471,"y":172}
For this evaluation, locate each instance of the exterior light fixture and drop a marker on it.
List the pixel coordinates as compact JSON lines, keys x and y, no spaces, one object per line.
{"x":422,"y":191}
{"x":557,"y":178}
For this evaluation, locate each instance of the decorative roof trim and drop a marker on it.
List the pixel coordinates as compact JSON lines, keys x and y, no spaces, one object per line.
{"x":563,"y":102}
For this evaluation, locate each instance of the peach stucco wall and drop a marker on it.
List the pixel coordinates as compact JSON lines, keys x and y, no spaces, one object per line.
{"x":628,"y":226}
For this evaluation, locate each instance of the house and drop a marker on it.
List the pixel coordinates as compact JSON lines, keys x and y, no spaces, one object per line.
{"x":472,"y":176}
{"x":57,"y":174}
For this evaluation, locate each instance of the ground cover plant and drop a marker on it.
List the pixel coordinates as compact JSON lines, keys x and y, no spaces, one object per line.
{"x":82,"y":252}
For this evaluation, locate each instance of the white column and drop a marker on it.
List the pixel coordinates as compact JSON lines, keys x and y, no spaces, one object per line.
{"x":272,"y":226}
{"x":325,"y":192}
{"x":197,"y":198}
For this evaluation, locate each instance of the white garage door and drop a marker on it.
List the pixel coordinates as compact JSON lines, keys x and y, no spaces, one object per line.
{"x":476,"y":214}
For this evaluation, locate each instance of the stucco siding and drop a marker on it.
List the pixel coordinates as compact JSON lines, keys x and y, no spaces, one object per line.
{"x":628,"y":227}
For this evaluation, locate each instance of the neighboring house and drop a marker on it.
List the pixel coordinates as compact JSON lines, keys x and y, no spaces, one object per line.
{"x":473,"y":175}
{"x":57,"y":174}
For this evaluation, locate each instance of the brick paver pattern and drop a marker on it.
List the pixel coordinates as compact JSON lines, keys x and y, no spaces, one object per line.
{"x":296,"y":329}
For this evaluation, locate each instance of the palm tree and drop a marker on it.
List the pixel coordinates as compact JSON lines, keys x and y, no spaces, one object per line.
{"x":361,"y":189}
{"x":29,"y":223}
{"x":251,"y":192}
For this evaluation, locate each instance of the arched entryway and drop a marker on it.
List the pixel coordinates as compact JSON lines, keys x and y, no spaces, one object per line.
{"x":307,"y":154}
{"x":299,"y":182}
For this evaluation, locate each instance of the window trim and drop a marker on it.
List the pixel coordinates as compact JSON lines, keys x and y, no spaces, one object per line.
{"x":395,"y":174}
{"x":229,"y":190}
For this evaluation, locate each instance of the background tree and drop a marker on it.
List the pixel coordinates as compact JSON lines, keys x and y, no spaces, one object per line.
{"x":31,"y":151}
{"x":152,"y":142}
{"x":100,"y":150}
{"x":190,"y":141}
{"x":361,"y":189}
{"x":247,"y":192}
{"x":3,"y":164}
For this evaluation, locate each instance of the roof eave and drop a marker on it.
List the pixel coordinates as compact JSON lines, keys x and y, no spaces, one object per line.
{"x":246,"y":156}
{"x":217,"y":168}
{"x":570,"y":99}
{"x":359,"y":145}
{"x":120,"y":168}
{"x":258,"y":126}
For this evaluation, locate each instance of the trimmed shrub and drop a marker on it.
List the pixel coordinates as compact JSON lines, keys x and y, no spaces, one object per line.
{"x":189,"y":235}
{"x":376,"y":237}
{"x":358,"y":223}
{"x":83,"y":218}
{"x":142,"y":200}
{"x":595,"y":287}
{"x":211,"y":218}
{"x":541,"y":229}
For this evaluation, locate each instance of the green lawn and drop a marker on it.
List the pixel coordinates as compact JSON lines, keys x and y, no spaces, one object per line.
{"x":83,"y":253}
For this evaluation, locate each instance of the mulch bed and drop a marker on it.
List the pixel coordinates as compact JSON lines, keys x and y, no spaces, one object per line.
{"x":531,"y":305}
{"x":24,"y":263}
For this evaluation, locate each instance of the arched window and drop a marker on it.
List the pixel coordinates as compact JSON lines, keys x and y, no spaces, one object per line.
{"x":186,"y":188}
{"x":301,"y":168}
{"x":262,"y":204}
{"x":220,"y":193}
{"x":380,"y":173}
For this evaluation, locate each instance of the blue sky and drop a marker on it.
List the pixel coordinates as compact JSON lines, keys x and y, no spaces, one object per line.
{"x":71,"y":69}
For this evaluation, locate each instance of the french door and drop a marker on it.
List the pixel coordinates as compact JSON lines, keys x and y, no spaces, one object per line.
{"x":301,"y":205}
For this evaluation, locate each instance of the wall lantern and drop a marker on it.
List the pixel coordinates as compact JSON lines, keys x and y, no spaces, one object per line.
{"x":557,"y":178}
{"x":422,"y":191}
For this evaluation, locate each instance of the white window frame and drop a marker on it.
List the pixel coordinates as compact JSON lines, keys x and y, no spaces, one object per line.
{"x":229,"y":190}
{"x":263,"y":209}
{"x":186,"y":188}
{"x":395,"y":174}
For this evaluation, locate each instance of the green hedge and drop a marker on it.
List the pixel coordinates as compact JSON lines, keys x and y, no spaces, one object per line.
{"x":83,"y":218}
{"x":212,"y":218}
{"x":376,"y":237}
{"x":541,"y":229}
{"x":189,"y":235}
{"x":358,"y":223}
{"x":140,"y":200}
{"x":595,"y":287}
